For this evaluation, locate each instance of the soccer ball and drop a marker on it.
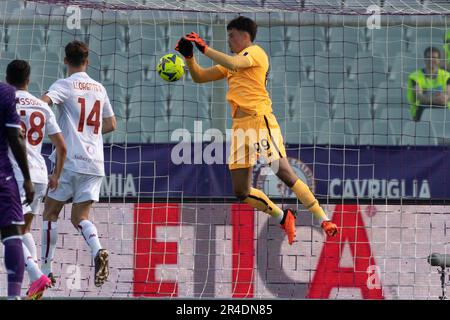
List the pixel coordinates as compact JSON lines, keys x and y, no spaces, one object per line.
{"x":170,"y":67}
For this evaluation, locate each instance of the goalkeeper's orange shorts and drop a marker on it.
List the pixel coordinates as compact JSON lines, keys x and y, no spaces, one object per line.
{"x":255,"y":137}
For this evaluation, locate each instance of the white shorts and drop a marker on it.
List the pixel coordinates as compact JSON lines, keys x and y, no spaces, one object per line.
{"x":80,"y":187}
{"x":39,"y":193}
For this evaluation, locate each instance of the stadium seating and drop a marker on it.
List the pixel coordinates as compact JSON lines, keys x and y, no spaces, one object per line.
{"x":35,"y":89}
{"x":107,"y":31}
{"x":418,"y":133}
{"x":297,"y":132}
{"x":439,"y":120}
{"x":377,"y":132}
{"x":344,"y":41}
{"x":163,"y":129}
{"x":8,"y":7}
{"x":336,"y":132}
{"x":313,"y":113}
{"x":390,"y":94}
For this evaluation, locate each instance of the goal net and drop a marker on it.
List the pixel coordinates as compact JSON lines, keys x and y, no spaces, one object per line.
{"x":341,"y":91}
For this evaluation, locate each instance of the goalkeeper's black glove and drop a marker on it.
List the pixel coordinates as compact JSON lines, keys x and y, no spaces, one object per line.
{"x":199,"y":42}
{"x":185,"y":47}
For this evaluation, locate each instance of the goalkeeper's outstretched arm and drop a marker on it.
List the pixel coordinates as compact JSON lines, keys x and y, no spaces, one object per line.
{"x":201,"y":75}
{"x":230,"y":62}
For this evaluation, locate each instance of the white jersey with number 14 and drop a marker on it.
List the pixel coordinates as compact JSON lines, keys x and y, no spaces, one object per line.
{"x":84,"y":104}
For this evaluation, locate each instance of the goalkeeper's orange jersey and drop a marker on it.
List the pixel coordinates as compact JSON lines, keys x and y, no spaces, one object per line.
{"x":247,"y":87}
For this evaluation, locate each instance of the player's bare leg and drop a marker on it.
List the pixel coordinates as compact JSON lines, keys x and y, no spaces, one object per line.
{"x":306,"y":197}
{"x":52,"y":208}
{"x":80,"y":220}
{"x":242,"y":186}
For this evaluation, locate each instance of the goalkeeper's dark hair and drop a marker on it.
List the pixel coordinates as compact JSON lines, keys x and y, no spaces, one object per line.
{"x":429,"y":51}
{"x":77,"y":53}
{"x":242,"y":23}
{"x":18,"y":73}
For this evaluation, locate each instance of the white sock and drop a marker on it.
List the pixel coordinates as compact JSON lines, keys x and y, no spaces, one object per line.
{"x":28,"y":241}
{"x":90,"y":234}
{"x":30,"y":265}
{"x":49,"y":239}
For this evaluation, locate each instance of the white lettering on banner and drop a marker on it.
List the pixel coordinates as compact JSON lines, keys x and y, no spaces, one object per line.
{"x":375,"y":188}
{"x":393,"y":189}
{"x":425,"y":190}
{"x":348,"y":189}
{"x":116,"y":186}
{"x":333,"y":184}
{"x":360,"y":187}
{"x":129,"y":186}
{"x":109,"y":185}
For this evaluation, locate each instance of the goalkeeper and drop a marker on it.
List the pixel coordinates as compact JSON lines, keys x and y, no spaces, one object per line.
{"x":256,"y":132}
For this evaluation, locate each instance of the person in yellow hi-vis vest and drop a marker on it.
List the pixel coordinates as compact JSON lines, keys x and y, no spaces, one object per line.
{"x":246,"y":71}
{"x":430,"y":86}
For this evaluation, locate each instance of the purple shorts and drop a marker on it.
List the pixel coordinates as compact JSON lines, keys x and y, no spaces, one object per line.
{"x":10,"y":204}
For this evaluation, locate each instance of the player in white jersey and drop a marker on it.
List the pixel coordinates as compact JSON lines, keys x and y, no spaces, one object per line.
{"x":36,"y":119}
{"x":85,"y":114}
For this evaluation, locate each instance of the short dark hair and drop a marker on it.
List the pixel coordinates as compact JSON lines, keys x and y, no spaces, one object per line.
{"x":18,"y":72}
{"x":429,"y":51}
{"x":244,"y":24}
{"x":77,"y":53}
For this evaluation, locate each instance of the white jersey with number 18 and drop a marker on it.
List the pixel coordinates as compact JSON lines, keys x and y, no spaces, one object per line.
{"x":84,"y":104}
{"x":36,"y":119}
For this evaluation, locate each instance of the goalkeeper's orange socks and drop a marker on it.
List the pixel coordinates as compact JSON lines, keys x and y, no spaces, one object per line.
{"x":257,"y":199}
{"x":310,"y":202}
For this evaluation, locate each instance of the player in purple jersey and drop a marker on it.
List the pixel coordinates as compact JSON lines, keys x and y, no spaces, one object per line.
{"x":37,"y":120}
{"x":11,"y":216}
